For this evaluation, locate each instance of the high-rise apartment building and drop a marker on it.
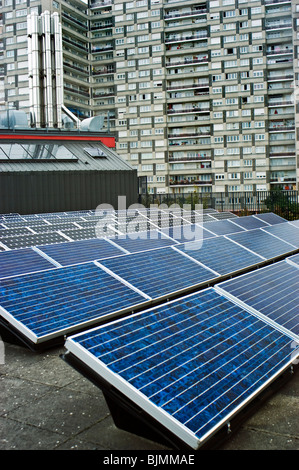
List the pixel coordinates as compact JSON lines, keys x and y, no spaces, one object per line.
{"x":201,"y":94}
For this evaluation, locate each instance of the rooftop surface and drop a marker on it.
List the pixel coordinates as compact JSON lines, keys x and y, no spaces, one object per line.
{"x":47,"y":405}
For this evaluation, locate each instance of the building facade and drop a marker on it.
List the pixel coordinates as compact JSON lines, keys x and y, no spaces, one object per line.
{"x":202,"y":95}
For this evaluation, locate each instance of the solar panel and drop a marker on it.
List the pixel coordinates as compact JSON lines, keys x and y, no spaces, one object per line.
{"x":80,"y":251}
{"x":221,"y":255}
{"x":160,"y":272}
{"x":23,"y":241}
{"x":46,"y":305}
{"x":286,"y":232}
{"x":262,"y":243}
{"x":187,"y":233}
{"x":224,"y":215}
{"x":295,"y":223}
{"x":222,"y":227}
{"x":15,"y":262}
{"x":249,"y":222}
{"x":270,"y":218}
{"x":273,"y":291}
{"x":294,"y":259}
{"x":54,"y":227}
{"x":187,"y":367}
{"x":11,"y":232}
{"x":87,"y":233}
{"x":144,"y":241}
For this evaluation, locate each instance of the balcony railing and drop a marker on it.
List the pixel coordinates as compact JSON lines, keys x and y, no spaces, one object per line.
{"x":189,"y":159}
{"x":280,"y":77}
{"x":281,"y":128}
{"x":278,"y":26}
{"x":194,"y":134}
{"x":195,"y":12}
{"x":186,"y":38}
{"x":194,"y":110}
{"x":187,"y":62}
{"x":189,"y":183}
{"x":280,"y":103}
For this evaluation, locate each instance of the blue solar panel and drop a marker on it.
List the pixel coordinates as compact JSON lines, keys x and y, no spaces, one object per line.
{"x":187,"y":233}
{"x":81,"y":251}
{"x":285,"y":231}
{"x":270,"y":218}
{"x":52,"y":303}
{"x":15,"y":262}
{"x":190,"y":364}
{"x":262,"y":243}
{"x":222,"y":227}
{"x":143,"y":241}
{"x":272,"y":291}
{"x":294,"y":259}
{"x":249,"y":222}
{"x":159,"y":272}
{"x":221,"y":255}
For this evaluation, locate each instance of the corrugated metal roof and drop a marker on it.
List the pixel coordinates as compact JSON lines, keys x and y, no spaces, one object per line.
{"x":112,"y":162}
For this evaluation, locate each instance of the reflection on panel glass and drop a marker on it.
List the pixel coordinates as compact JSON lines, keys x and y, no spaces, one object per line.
{"x":35,"y":152}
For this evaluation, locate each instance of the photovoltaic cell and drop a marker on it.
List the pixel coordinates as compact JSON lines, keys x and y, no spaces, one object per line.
{"x":80,"y":251}
{"x":25,"y":241}
{"x":187,"y":233}
{"x":272,"y":291}
{"x":15,"y":262}
{"x":270,"y":218}
{"x":190,"y":364}
{"x":262,"y":243}
{"x":285,"y":231}
{"x":143,"y":241}
{"x":52,"y":303}
{"x":159,"y":272}
{"x":249,"y":222}
{"x":221,"y":255}
{"x":87,"y":233}
{"x":222,"y":227}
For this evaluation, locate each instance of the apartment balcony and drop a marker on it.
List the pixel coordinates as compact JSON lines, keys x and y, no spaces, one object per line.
{"x":107,"y":47}
{"x":273,"y":2}
{"x":76,"y":68}
{"x":77,"y":91}
{"x":101,"y":4}
{"x":279,"y":51}
{"x":195,"y":11}
{"x":178,"y":38}
{"x":185,"y":182}
{"x":175,"y":135}
{"x":103,"y":71}
{"x":280,"y":77}
{"x":190,"y":159}
{"x":188,"y":62}
{"x":283,"y":179}
{"x":272,"y":26}
{"x":203,"y":88}
{"x":101,"y":27}
{"x":78,"y":22}
{"x":78,"y":45}
{"x":189,"y":110}
{"x":279,"y":103}
{"x":282,"y":154}
{"x":281,"y":128}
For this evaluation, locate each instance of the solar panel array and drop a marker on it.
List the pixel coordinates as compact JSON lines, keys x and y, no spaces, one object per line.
{"x":193,"y":355}
{"x":151,"y":263}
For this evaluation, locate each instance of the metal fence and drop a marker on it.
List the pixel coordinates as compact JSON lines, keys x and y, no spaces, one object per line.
{"x":283,"y":203}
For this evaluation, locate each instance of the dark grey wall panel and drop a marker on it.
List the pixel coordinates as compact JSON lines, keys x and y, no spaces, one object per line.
{"x":56,"y":191}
